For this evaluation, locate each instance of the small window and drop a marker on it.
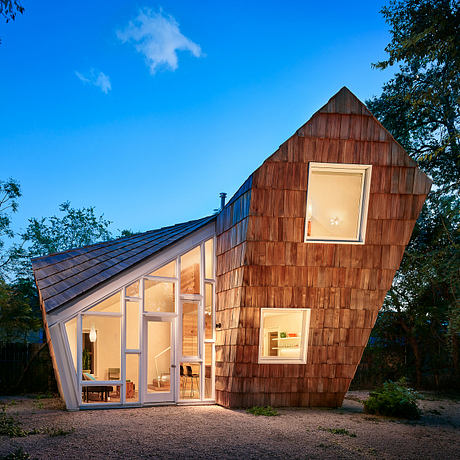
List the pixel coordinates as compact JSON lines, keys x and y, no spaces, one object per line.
{"x":283,"y":335}
{"x":337,"y":201}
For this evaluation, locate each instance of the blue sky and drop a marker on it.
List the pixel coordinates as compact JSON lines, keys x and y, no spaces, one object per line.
{"x":95,"y":108}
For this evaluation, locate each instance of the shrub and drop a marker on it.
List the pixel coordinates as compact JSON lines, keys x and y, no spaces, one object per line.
{"x":268,"y":411}
{"x":394,"y":399}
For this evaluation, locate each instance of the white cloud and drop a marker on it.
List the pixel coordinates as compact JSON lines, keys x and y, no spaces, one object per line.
{"x":158,"y":38}
{"x":95,"y":78}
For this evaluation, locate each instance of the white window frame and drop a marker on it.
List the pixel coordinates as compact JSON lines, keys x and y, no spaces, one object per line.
{"x":366,"y":171}
{"x":302,"y":359}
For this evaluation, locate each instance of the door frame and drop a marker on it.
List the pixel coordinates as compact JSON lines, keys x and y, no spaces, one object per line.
{"x":159,"y":397}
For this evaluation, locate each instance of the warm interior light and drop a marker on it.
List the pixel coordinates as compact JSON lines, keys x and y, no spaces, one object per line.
{"x":334,"y":221}
{"x":92,"y":334}
{"x":309,"y":212}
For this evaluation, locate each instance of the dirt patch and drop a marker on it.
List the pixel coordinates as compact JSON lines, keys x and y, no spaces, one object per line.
{"x":215,"y":432}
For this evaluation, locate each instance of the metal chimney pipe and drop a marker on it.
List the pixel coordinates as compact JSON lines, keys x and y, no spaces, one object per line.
{"x":222,"y":195}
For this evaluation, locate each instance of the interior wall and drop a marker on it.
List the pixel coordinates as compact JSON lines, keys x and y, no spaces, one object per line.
{"x":107,"y":345}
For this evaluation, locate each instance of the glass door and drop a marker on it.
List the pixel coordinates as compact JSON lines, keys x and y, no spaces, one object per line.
{"x":159,"y":360}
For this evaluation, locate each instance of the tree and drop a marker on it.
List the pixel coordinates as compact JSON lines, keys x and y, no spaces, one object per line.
{"x":19,"y":311}
{"x":9,"y":193}
{"x":9,"y":9}
{"x":420,"y":106}
{"x":47,"y":235}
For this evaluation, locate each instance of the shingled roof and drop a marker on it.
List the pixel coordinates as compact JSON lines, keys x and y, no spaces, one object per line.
{"x":63,"y":276}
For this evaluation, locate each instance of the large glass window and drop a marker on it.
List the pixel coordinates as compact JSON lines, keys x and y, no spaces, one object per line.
{"x":110,"y":305}
{"x":190,"y":272}
{"x":132,"y":325}
{"x":283,"y":335}
{"x":168,"y":270}
{"x":71,"y":330}
{"x":208,"y":311}
{"x":190,"y":329}
{"x":159,"y":296}
{"x":101,"y":347}
{"x":337,"y":202}
{"x":132,"y":378}
{"x":209,"y":258}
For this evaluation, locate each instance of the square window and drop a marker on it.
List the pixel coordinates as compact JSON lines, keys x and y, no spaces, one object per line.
{"x":337,"y":201}
{"x":283,"y":335}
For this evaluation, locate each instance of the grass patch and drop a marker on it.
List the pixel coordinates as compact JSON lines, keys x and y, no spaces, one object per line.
{"x":54,"y":432}
{"x":10,"y":426}
{"x":340,"y":431}
{"x":18,"y":454}
{"x":268,"y":411}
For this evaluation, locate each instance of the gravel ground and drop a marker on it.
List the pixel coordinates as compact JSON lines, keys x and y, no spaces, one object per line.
{"x":173,"y":432}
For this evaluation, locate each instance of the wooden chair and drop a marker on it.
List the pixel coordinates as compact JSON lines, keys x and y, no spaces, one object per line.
{"x":192,"y":376}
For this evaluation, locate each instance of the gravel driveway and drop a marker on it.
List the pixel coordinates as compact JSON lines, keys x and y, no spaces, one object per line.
{"x":173,"y":432}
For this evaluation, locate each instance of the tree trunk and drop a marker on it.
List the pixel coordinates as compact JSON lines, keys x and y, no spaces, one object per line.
{"x":415,"y":349}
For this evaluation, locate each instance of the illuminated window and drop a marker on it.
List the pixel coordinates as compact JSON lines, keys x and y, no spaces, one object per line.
{"x":283,"y":335}
{"x":337,"y":200}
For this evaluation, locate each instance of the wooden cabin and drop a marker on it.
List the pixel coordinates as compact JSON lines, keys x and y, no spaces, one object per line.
{"x":269,"y":301}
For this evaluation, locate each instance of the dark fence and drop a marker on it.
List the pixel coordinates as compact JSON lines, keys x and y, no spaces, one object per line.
{"x":26,"y":368}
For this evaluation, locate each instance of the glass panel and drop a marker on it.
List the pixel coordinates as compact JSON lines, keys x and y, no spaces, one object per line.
{"x":132,"y":378}
{"x":208,"y":316}
{"x":282,"y":333}
{"x":190,"y":381}
{"x":168,"y":270}
{"x":100,"y":394}
{"x":334,"y":203}
{"x":132,"y":325}
{"x":190,"y":329}
{"x":208,"y":370}
{"x":209,"y":259}
{"x":190,"y":272}
{"x":158,"y":357}
{"x":101,"y":347}
{"x":159,"y":296}
{"x":71,"y":330}
{"x":133,"y":290}
{"x":112,"y":304}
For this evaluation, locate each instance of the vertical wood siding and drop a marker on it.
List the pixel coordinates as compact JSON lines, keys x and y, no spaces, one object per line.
{"x":263,"y":262}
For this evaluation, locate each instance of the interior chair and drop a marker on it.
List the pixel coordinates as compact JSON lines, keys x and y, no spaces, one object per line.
{"x":192,"y":377}
{"x":183,"y":380}
{"x":114,"y":374}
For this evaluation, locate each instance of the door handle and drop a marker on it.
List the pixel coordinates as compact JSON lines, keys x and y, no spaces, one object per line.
{"x":173,"y":365}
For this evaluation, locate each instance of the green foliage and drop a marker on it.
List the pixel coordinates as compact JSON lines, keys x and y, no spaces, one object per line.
{"x":394,"y":399}
{"x":420,"y":107}
{"x":18,"y":454}
{"x":19,"y":310}
{"x":54,"y":432}
{"x":10,"y":8}
{"x":73,"y":229}
{"x":10,"y":426}
{"x":86,"y":359}
{"x":9,"y":193}
{"x":340,"y":431}
{"x":268,"y":411}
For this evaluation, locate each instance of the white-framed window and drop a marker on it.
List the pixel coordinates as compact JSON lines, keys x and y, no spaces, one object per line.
{"x":337,"y":203}
{"x":283,"y":335}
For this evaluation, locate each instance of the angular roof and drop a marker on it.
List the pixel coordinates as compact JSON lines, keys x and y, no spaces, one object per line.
{"x":63,"y":276}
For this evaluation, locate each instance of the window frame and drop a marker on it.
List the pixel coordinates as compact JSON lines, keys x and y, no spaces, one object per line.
{"x":303,"y":339}
{"x":366,"y":171}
